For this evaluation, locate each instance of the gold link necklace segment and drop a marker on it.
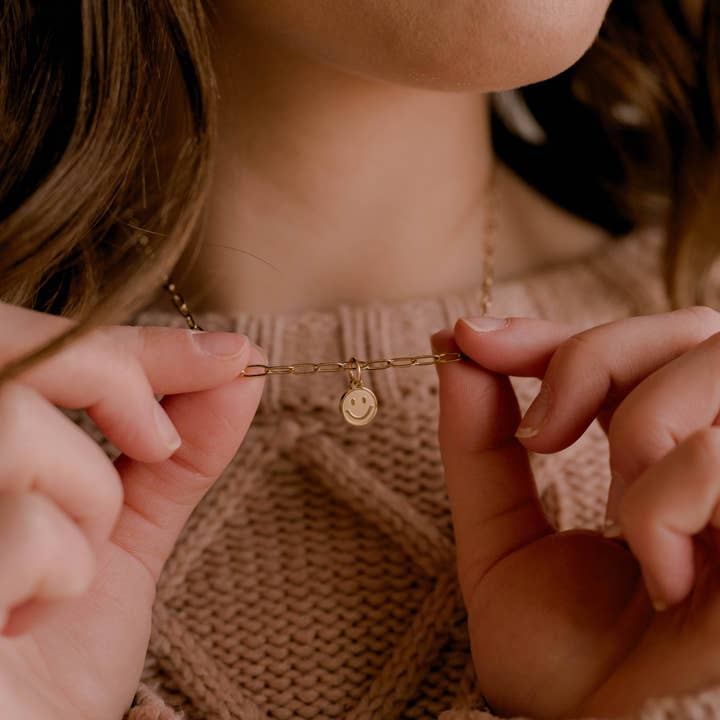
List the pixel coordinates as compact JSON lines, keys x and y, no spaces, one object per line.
{"x":358,"y":404}
{"x":309,"y":368}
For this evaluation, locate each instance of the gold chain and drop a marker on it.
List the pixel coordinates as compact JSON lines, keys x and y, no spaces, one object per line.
{"x":309,"y":368}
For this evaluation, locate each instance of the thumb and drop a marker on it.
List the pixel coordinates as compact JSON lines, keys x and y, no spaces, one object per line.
{"x":493,"y":498}
{"x":159,"y":497}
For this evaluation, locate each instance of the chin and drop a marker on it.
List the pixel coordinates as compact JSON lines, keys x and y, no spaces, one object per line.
{"x":482,"y":45}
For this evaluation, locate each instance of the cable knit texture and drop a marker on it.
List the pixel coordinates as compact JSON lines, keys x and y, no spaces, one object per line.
{"x":316,"y":580}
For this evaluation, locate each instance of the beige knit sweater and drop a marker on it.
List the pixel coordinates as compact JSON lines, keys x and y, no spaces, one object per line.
{"x":316,"y":580}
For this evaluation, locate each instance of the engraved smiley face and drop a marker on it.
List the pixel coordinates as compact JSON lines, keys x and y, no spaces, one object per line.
{"x":359,"y":406}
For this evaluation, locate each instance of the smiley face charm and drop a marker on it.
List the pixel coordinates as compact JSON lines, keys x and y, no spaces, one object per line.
{"x":358,"y":405}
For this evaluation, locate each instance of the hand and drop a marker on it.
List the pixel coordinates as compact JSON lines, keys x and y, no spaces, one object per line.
{"x":83,"y":540}
{"x":562,"y":624}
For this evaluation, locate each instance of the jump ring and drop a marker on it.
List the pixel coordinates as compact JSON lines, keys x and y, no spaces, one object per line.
{"x":355,"y":372}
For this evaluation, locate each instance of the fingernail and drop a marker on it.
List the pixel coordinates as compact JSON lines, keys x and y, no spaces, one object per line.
{"x":615,"y":494}
{"x":535,"y":415}
{"x":486,"y":324}
{"x":166,"y":429}
{"x":654,"y":593}
{"x":224,"y":345}
{"x":612,"y":529}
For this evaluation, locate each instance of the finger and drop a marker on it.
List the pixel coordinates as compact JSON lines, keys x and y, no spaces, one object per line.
{"x":160,"y":497}
{"x":516,"y":346}
{"x":162,"y":361}
{"x":173,"y":359}
{"x":180,"y":361}
{"x":43,"y":451}
{"x":671,"y":502}
{"x":493,"y":499}
{"x":115,"y":373}
{"x":665,"y":409}
{"x":43,"y":554}
{"x":585,"y":374}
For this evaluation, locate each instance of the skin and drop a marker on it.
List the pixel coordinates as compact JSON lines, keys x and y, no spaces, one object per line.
{"x":395,"y":94}
{"x":89,"y":537}
{"x":589,"y":614}
{"x":385,"y":159}
{"x":451,"y":46}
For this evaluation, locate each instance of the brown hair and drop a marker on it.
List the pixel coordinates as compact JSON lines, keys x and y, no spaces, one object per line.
{"x":633,"y":133}
{"x":83,"y":85}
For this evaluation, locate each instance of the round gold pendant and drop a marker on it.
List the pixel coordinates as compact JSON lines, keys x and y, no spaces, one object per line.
{"x":358,"y":405}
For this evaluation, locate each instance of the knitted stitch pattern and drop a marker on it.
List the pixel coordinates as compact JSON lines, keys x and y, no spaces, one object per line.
{"x":317,"y":580}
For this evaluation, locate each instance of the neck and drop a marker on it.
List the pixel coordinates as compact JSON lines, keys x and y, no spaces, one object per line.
{"x":330,"y":188}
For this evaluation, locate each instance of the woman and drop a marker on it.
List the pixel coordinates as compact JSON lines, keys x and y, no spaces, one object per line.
{"x":352,"y":207}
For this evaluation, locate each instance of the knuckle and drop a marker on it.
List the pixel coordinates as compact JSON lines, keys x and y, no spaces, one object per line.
{"x":112,"y":370}
{"x":702,"y":448}
{"x":126,"y":373}
{"x":100,"y":344}
{"x":632,"y":424}
{"x":123,"y":365}
{"x":114,"y":355}
{"x":635,"y":438}
{"x":98,"y":496}
{"x":103,"y":336}
{"x":622,"y":421}
{"x":28,"y":514}
{"x":140,"y":338}
{"x":577,"y":349}
{"x":36,"y":515}
{"x":37,"y":531}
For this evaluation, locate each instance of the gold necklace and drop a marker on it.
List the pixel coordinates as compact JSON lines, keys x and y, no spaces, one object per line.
{"x":359,"y":404}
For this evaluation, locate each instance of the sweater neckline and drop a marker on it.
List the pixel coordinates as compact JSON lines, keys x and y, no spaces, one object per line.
{"x":623,"y":277}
